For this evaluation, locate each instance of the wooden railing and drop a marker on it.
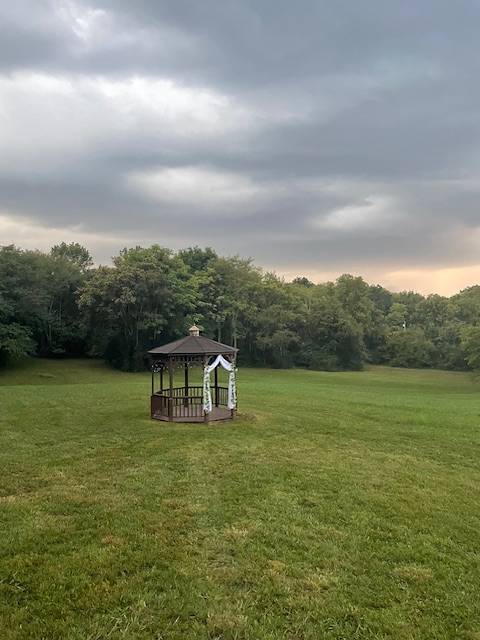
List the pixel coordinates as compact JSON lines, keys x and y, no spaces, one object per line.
{"x":159,"y":405}
{"x":222,"y":398}
{"x":184,"y":403}
{"x":182,"y":391}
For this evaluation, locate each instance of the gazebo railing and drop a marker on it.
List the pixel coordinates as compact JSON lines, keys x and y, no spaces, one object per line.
{"x":184,"y":402}
{"x":184,"y":391}
{"x":222,"y":397}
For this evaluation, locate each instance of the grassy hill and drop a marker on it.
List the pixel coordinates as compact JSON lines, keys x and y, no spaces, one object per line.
{"x":338,"y":505}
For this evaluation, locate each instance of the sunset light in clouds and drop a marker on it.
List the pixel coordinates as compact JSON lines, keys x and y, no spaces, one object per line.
{"x":318,"y":138}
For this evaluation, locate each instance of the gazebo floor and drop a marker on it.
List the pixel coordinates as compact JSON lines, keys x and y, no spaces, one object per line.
{"x":217,"y":413}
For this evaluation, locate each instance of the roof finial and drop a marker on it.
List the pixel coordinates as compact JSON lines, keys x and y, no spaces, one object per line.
{"x":194,"y":330}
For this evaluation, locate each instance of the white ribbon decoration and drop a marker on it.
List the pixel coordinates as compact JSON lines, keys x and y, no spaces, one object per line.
{"x":232,"y":390}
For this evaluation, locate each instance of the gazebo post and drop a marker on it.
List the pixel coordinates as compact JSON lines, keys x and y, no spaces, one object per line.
{"x":185,"y":402}
{"x":161,"y":378}
{"x":153,"y":379}
{"x":233,"y":361}
{"x":170,"y":399}
{"x":206,"y":416}
{"x":216,"y":386}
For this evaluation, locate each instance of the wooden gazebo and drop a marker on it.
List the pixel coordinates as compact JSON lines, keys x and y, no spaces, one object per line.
{"x":192,"y":403}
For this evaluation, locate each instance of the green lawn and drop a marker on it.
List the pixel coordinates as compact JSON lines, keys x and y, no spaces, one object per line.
{"x":338,"y":505}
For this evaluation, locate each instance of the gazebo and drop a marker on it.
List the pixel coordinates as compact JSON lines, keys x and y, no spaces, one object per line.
{"x":192,"y":403}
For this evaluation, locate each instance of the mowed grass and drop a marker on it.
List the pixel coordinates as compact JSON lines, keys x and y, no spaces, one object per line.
{"x":338,"y":505}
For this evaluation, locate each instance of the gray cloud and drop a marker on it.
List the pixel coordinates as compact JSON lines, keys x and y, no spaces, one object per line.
{"x":316,"y":138}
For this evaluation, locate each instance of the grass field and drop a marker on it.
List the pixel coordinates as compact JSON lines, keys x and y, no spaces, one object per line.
{"x":337,"y":506}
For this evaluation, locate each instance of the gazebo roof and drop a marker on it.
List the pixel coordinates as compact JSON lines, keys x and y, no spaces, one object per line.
{"x":193,"y":345}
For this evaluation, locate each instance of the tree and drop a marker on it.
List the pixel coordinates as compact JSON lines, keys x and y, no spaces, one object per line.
{"x":39,"y":291}
{"x":146,"y":293}
{"x":227,"y":296}
{"x":15,"y":339}
{"x":381,"y":298}
{"x":15,"y":342}
{"x":197,"y":259}
{"x":471,"y":346}
{"x":409,"y":348}
{"x":74,"y":253}
{"x":412,"y":302}
{"x":376,"y":330}
{"x":56,"y":304}
{"x":332,"y":339}
{"x":396,"y":317}
{"x":303,"y":281}
{"x":353,"y":293}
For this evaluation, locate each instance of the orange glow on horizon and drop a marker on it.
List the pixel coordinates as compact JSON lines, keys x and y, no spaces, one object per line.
{"x":445,"y":281}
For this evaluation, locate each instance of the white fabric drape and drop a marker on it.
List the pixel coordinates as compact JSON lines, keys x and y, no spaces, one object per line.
{"x":232,"y":390}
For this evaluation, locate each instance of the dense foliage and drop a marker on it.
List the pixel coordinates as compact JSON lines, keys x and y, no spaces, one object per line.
{"x":59,"y":304}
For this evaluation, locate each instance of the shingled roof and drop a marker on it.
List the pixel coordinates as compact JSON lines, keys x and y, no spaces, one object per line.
{"x":193,"y":345}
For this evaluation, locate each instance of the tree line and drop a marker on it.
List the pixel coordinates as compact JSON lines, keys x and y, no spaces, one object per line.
{"x":58,"y":304}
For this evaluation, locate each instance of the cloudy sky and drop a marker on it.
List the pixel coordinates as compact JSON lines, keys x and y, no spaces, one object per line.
{"x":318,"y":136}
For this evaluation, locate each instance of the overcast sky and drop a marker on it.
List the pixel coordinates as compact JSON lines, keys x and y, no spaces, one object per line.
{"x":318,"y":137}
